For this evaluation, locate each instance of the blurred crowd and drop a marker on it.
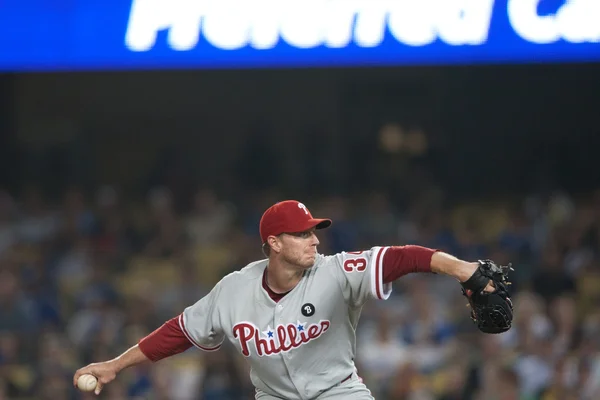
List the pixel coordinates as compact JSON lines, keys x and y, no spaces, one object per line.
{"x":84,"y":276}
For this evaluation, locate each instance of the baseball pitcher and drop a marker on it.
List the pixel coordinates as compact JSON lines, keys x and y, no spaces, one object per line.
{"x":294,"y":315}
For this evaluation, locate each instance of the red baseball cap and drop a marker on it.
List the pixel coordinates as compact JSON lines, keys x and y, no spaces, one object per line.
{"x":288,"y":216}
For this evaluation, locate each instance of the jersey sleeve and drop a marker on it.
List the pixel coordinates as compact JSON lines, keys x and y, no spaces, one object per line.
{"x":360,"y":275}
{"x":201,"y":322}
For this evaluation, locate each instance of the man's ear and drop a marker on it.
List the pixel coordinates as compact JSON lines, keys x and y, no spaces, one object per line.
{"x":275,"y":243}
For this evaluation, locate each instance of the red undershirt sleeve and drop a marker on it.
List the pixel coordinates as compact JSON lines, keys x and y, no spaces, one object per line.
{"x":401,"y":260}
{"x":165,"y":341}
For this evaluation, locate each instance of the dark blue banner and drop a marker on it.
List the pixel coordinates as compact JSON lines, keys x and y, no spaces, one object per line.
{"x":50,"y":35}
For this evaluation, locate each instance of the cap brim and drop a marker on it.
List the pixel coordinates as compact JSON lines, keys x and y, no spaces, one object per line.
{"x":320,"y":223}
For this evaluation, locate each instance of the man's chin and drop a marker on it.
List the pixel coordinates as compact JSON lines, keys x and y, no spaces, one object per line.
{"x":306,"y":262}
{"x":311,"y":261}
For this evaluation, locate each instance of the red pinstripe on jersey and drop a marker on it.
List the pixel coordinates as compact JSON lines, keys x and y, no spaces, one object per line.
{"x":379,"y":274}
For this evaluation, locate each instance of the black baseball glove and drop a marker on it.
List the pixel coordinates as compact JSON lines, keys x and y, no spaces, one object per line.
{"x":492,"y":312}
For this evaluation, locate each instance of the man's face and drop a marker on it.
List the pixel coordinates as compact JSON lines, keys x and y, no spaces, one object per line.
{"x":299,"y":249}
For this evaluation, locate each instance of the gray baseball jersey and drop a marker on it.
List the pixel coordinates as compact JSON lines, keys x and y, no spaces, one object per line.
{"x":305,"y":344}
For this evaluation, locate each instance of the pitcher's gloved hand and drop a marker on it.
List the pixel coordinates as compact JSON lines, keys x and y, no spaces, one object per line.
{"x":491,"y":311}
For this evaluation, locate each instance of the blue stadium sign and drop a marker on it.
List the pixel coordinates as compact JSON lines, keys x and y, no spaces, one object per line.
{"x":40,"y":35}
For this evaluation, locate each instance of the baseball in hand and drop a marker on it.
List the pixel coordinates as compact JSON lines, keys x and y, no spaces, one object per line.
{"x":87,"y":383}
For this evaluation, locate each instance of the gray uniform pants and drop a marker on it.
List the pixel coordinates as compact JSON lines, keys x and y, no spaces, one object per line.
{"x":352,"y":389}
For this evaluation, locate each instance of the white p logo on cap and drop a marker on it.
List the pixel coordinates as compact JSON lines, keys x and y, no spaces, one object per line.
{"x":302,"y":206}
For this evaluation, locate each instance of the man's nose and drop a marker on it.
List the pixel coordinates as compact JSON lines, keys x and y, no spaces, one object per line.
{"x":315,"y":239}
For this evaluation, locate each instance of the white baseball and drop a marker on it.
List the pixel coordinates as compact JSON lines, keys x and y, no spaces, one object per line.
{"x":87,"y":382}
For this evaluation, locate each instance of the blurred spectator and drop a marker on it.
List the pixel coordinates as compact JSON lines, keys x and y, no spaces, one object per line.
{"x":210,"y":219}
{"x":550,"y":279}
{"x":36,"y":223}
{"x":382,"y":352}
{"x":8,"y":233}
{"x":17,"y":312}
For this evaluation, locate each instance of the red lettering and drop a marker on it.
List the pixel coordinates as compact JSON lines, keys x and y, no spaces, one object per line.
{"x":361,"y":264}
{"x":304,"y":336}
{"x":357,"y":264}
{"x":293,"y":332}
{"x":313,"y":331}
{"x":243,"y":332}
{"x":283,"y":340}
{"x":274,"y":349}
{"x":287,"y":337}
{"x":262,"y":345}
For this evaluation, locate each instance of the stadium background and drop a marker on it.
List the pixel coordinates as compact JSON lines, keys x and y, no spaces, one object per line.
{"x":127,"y":195}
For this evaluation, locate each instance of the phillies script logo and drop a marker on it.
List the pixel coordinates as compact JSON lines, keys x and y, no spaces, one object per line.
{"x":281,"y":339}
